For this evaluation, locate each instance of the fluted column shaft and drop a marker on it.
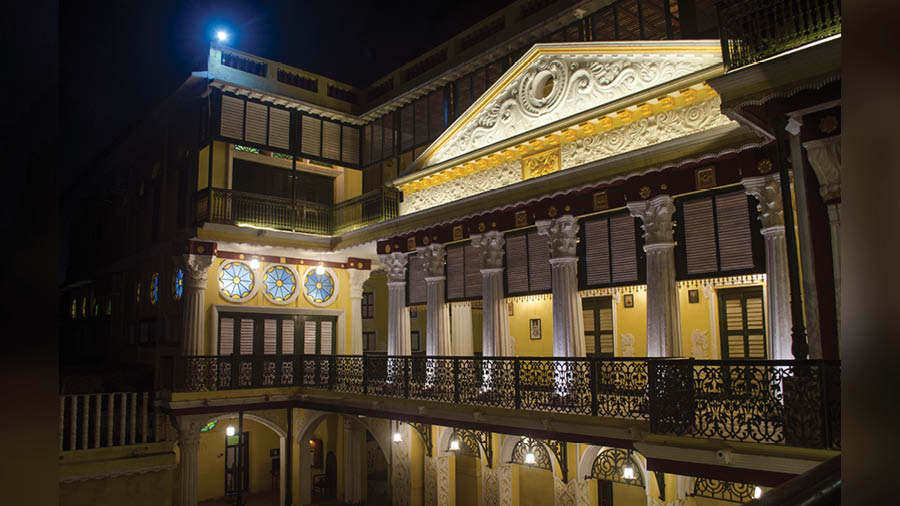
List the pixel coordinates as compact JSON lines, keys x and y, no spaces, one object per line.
{"x":196,"y":268}
{"x":438,"y":324}
{"x":663,"y":315}
{"x":398,"y":316}
{"x":568,"y":323}
{"x":767,"y":190}
{"x":357,"y":278}
{"x":189,"y":453}
{"x":353,"y":467}
{"x":495,"y":338}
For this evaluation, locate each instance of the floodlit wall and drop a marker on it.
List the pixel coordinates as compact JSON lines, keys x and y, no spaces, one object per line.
{"x":220,"y":164}
{"x":211,"y":465}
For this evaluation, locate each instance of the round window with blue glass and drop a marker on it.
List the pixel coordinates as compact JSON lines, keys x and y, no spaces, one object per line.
{"x":178,"y":284}
{"x":154,"y":288}
{"x":280,"y":284}
{"x":237,"y":281}
{"x":320,"y":286}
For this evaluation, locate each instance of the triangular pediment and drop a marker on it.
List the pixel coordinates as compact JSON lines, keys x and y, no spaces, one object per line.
{"x":555,"y":82}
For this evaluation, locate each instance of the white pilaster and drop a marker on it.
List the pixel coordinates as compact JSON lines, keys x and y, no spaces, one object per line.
{"x":353,"y":463}
{"x":189,"y":443}
{"x":437,"y":341}
{"x":663,"y":315}
{"x":568,"y":323}
{"x":398,"y":316}
{"x":495,"y":339}
{"x":196,"y":268}
{"x":461,"y":329}
{"x":767,"y":190}
{"x":357,"y":278}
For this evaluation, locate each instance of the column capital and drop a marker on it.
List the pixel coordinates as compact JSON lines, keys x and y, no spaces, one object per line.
{"x":766,"y":190}
{"x":656,"y":219}
{"x":357,"y":278}
{"x":825,"y":158}
{"x":189,"y":429}
{"x":490,"y":246}
{"x":562,"y":233}
{"x":433,"y":258}
{"x":196,"y":268}
{"x":396,"y":266}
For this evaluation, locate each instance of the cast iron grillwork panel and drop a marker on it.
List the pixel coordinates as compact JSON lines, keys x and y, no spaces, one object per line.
{"x":610,"y":464}
{"x":723,"y":490}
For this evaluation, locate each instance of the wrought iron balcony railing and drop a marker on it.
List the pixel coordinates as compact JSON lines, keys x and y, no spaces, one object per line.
{"x":753,"y":30}
{"x":795,"y":403}
{"x":232,"y":207}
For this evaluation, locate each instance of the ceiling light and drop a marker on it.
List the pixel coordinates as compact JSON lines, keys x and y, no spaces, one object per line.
{"x":757,"y":492}
{"x":529,"y":458}
{"x":229,"y":431}
{"x":398,"y":438}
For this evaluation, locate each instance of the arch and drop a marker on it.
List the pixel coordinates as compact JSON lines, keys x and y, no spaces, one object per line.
{"x":250,"y":416}
{"x":508,"y":444}
{"x":443,"y":442}
{"x":586,"y":466}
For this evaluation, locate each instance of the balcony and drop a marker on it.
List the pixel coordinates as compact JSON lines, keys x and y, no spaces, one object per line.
{"x":230,"y":207}
{"x":753,"y":30}
{"x":791,"y":403}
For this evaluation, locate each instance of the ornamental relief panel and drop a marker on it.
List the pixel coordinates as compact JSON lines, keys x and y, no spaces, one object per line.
{"x":556,"y":86}
{"x":496,"y":177}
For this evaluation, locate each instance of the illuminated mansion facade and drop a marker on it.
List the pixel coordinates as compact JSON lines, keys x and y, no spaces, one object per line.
{"x":583,"y":253}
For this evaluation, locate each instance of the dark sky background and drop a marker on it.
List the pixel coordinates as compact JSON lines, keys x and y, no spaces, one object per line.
{"x":119,"y":59}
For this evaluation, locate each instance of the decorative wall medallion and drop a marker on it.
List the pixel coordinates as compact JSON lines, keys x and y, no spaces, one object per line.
{"x":705,"y":177}
{"x":410,"y":244}
{"x":540,"y":164}
{"x":551,"y":211}
{"x":482,"y":227}
{"x":387,"y":248}
{"x":457,"y":232}
{"x":567,"y":208}
{"x":764,"y":166}
{"x":200,"y":250}
{"x":644,"y":192}
{"x":521,"y":218}
{"x":426,"y":241}
{"x":664,"y":186}
{"x":601,"y":201}
{"x":828,"y":124}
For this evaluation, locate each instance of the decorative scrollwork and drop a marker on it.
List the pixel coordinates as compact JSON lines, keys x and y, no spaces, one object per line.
{"x":424,"y":430}
{"x":535,"y":447}
{"x":471,"y":441}
{"x":723,"y":490}
{"x":610,"y":464}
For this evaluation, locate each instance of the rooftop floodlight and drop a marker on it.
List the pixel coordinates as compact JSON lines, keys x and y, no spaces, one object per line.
{"x":221,"y":35}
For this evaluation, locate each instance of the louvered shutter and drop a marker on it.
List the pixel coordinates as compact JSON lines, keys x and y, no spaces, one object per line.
{"x":287,"y":336}
{"x":406,"y":127}
{"x":416,"y":276}
{"x":462,"y":95}
{"x":479,"y":83}
{"x":596,"y":251}
{"x":350,"y":144}
{"x":270,"y":336}
{"x":309,"y":337}
{"x":756,"y":334}
{"x":326,"y":338}
{"x":226,"y":336}
{"x":734,"y":318}
{"x":367,"y":144}
{"x":331,"y":140}
{"x":742,"y":323}
{"x":421,"y":121}
{"x":387,"y":135}
{"x":257,"y":121}
{"x":516,"y":264}
{"x":589,"y":331}
{"x":279,"y":128}
{"x":232,"y":120}
{"x":456,"y":272}
{"x":624,"y":249}
{"x":376,"y":140}
{"x":699,"y":236}
{"x":311,"y":136}
{"x":246,"y":336}
{"x":538,"y":263}
{"x":473,"y":271}
{"x":605,"y":330}
{"x":435,"y":113}
{"x":735,"y":234}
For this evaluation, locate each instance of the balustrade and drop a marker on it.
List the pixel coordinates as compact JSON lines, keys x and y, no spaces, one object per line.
{"x":106,"y":419}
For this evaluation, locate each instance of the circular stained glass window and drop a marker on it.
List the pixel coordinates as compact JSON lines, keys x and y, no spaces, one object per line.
{"x":154,"y":288}
{"x":236,"y":281}
{"x":74,"y":309}
{"x":319,"y":288}
{"x":137,"y":293}
{"x":178,"y":284}
{"x":280,"y":284}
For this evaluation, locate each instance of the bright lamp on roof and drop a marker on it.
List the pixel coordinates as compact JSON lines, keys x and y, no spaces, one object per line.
{"x":222,"y":35}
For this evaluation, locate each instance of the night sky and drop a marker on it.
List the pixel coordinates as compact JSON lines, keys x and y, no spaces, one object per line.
{"x":119,"y":59}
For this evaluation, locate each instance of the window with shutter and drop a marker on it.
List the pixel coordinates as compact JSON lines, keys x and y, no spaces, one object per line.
{"x":311,"y":136}
{"x":516,"y":264}
{"x":370,"y":343}
{"x":735,"y":234}
{"x":596,"y":252}
{"x":331,"y":140}
{"x":226,"y":336}
{"x":368,"y":305}
{"x":415,"y":277}
{"x":350,"y":144}
{"x":479,"y":83}
{"x":270,"y":336}
{"x":473,"y":272}
{"x":623,"y":249}
{"x":257,"y":123}
{"x":716,"y":235}
{"x":232,"y":120}
{"x":406,"y":127}
{"x":421,"y":121}
{"x":598,"y":326}
{"x":435,"y":113}
{"x":367,"y":144}
{"x":527,"y":263}
{"x":310,"y":337}
{"x":456,"y":272}
{"x":387,"y":135}
{"x":462,"y":94}
{"x":538,"y":263}
{"x":326,"y":337}
{"x":287,"y":336}
{"x":742,"y":323}
{"x":279,"y":128}
{"x":700,"y":236}
{"x":377,"y":146}
{"x":246,"y":336}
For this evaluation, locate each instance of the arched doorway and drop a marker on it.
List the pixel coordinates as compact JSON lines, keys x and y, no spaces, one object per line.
{"x":621,"y":476}
{"x":535,"y":468}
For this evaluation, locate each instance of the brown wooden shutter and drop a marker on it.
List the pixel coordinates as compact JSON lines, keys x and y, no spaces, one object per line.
{"x":516,"y":264}
{"x":462,"y":94}
{"x":406,"y":127}
{"x":590,"y":338}
{"x":387,"y":135}
{"x":473,"y":271}
{"x":596,"y":251}
{"x":287,"y":336}
{"x":605,"y":330}
{"x":479,"y":83}
{"x":367,"y":144}
{"x":246,"y":336}
{"x":421,"y":121}
{"x":538,"y":263}
{"x":377,"y":131}
{"x":232,"y":119}
{"x":416,"y":276}
{"x":456,"y":272}
{"x":226,"y":336}
{"x":279,"y":128}
{"x":756,"y":334}
{"x":624,"y":249}
{"x":311,"y":136}
{"x":742,"y":323}
{"x":331,"y":140}
{"x":257,"y":121}
{"x":350,"y":144}
{"x":699,"y":236}
{"x":270,"y":336}
{"x":435,"y":113}
{"x":735,"y":234}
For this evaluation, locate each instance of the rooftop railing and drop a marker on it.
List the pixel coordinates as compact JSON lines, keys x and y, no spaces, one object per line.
{"x":232,"y":207}
{"x":753,"y":30}
{"x":795,"y":403}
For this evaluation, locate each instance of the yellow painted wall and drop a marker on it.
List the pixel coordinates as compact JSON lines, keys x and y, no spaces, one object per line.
{"x":377,"y":284}
{"x":416,"y":469}
{"x":147,"y":489}
{"x":211,"y":463}
{"x":259,"y":300}
{"x":523,"y":311}
{"x":535,"y":486}
{"x":352,"y":183}
{"x":468,"y":480}
{"x":220,"y":162}
{"x":628,"y":495}
{"x":632,"y":320}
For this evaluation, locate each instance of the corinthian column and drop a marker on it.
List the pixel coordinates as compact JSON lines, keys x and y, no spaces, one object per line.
{"x":357,"y":278}
{"x":767,"y":190}
{"x":398,"y":316}
{"x":438,"y":325}
{"x":663,"y":316}
{"x":189,"y":443}
{"x":353,"y":464}
{"x":495,"y":319}
{"x":568,"y":325}
{"x":196,"y":268}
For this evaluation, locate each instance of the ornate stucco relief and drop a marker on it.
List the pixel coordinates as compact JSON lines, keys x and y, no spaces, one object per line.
{"x":496,"y":177}
{"x":645,"y":132}
{"x":556,"y":86}
{"x":430,"y":498}
{"x":489,"y":487}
